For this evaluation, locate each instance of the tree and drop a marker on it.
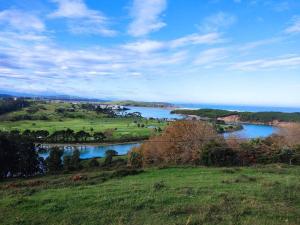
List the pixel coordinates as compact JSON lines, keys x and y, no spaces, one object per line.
{"x":99,"y":136}
{"x":75,"y":159}
{"x":287,"y":155}
{"x":109,"y":154}
{"x":218,"y":154}
{"x":135,"y":158}
{"x":54,"y":162}
{"x":82,"y":135}
{"x":67,"y":163}
{"x":93,"y":162}
{"x":57,"y":136}
{"x":18,"y":156}
{"x":180,"y":143}
{"x":41,"y":134}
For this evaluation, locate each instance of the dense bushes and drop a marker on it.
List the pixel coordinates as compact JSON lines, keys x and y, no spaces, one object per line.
{"x":135,"y":158}
{"x":180,"y":143}
{"x":18,"y":157}
{"x":194,"y":142}
{"x":10,"y":105}
{"x":62,"y":136}
{"x":109,"y":154}
{"x":261,"y":117}
{"x":218,"y":154}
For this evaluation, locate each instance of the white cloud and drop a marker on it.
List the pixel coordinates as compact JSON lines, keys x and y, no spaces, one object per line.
{"x":259,"y":43}
{"x":294,"y":27}
{"x":144,"y":46}
{"x":211,"y":56}
{"x":81,"y":19}
{"x":217,"y":22}
{"x":146,"y":16}
{"x":21,"y":21}
{"x":287,"y":61}
{"x":211,"y":38}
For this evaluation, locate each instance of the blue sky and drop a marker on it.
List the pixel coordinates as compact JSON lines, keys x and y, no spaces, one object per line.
{"x":216,"y":51}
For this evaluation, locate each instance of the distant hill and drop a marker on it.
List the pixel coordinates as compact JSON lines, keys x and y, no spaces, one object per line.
{"x":141,"y":104}
{"x":256,"y":117}
{"x":7,"y":94}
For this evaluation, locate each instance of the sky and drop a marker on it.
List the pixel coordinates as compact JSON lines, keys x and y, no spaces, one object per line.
{"x":244,"y":52}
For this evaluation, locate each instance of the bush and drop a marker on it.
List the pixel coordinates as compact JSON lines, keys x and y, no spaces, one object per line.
{"x":180,"y":143}
{"x":135,"y":158}
{"x":109,"y":154}
{"x":75,"y":159}
{"x":54,"y":163}
{"x":67,"y":163}
{"x":93,"y":163}
{"x":18,"y":156}
{"x":218,"y":154}
{"x":159,"y":185}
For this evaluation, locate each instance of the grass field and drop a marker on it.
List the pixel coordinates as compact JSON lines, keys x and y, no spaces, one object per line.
{"x":78,"y":119}
{"x":121,"y":126}
{"x":258,"y":195}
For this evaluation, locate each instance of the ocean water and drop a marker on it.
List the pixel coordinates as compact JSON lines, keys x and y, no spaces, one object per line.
{"x":240,"y":108}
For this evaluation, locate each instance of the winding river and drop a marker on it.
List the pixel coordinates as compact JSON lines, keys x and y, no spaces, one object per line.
{"x":91,"y":151}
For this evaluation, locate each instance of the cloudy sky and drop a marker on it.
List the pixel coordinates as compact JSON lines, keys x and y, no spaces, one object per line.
{"x":214,"y":51}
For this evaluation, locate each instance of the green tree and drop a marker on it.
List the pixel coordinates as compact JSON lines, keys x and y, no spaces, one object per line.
{"x":67,"y":163}
{"x":93,"y":162}
{"x":75,"y":159}
{"x":109,"y":154}
{"x":218,"y":154}
{"x":54,"y":162}
{"x":99,"y":136}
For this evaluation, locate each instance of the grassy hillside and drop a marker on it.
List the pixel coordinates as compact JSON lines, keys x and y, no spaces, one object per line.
{"x":262,"y":117}
{"x":141,"y":104}
{"x":261,"y":195}
{"x":60,"y":116}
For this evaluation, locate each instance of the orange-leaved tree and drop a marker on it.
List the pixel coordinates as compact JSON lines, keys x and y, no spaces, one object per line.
{"x":180,"y":143}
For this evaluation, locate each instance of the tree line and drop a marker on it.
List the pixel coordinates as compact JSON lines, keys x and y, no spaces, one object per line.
{"x":19,"y":157}
{"x":63,"y":136}
{"x":198,"y":143}
{"x":10,"y":104}
{"x":260,"y":117}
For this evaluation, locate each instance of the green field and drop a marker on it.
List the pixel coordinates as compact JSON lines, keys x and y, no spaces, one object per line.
{"x":191,"y":195}
{"x":121,"y":126}
{"x":76,"y":118}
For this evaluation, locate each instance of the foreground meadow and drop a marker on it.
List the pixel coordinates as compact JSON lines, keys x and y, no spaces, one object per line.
{"x":179,"y":195}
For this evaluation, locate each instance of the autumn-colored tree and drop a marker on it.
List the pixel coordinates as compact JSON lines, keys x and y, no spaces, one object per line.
{"x":181,"y":142}
{"x":291,"y":133}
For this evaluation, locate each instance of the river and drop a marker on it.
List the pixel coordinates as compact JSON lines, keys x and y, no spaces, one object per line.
{"x":91,"y":151}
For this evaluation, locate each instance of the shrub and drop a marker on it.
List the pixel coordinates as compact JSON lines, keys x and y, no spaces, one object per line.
{"x":54,"y":162}
{"x":135,"y":158}
{"x":159,"y":185}
{"x":67,"y":162}
{"x":18,"y":156}
{"x":109,"y":154}
{"x":181,"y":142}
{"x":218,"y":154}
{"x":93,"y":162}
{"x":75,"y":160}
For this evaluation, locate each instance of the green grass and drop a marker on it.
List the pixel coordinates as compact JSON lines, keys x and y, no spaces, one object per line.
{"x":261,"y":195}
{"x":121,"y":126}
{"x":80,"y":119}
